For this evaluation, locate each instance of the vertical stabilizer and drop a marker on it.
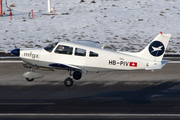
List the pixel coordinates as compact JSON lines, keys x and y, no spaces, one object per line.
{"x":156,"y":48}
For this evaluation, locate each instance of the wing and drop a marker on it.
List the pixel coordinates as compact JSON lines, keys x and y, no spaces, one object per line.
{"x":58,"y":65}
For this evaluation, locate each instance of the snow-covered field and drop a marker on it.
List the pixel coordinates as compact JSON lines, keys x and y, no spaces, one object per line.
{"x":114,"y":23}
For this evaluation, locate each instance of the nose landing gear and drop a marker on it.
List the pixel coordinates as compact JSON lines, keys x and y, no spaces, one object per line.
{"x":68,"y":82}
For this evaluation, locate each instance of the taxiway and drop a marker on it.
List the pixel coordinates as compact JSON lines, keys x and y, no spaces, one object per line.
{"x":107,"y":95}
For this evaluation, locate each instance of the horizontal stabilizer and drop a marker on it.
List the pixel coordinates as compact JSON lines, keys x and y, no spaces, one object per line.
{"x":157,"y":65}
{"x":164,"y":62}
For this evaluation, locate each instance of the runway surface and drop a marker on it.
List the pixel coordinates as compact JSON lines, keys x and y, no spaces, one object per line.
{"x":105,"y":95}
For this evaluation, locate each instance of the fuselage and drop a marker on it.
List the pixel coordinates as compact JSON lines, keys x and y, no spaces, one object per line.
{"x":90,"y":58}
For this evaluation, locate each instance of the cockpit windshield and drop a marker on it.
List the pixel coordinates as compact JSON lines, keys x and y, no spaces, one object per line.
{"x":50,"y":47}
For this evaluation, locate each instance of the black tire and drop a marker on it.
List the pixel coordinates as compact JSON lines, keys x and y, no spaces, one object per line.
{"x":68,"y":82}
{"x":30,"y":79}
{"x":77,"y":75}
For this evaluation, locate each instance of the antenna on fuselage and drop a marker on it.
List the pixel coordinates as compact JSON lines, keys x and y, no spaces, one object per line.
{"x":121,"y":47}
{"x":103,"y":46}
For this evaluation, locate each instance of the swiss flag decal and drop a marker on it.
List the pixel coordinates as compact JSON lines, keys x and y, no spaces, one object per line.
{"x":133,"y":64}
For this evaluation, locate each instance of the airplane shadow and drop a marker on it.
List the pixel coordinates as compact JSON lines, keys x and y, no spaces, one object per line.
{"x":141,"y":96}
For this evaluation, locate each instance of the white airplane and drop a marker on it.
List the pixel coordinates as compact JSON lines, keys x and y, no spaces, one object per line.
{"x":85,"y":55}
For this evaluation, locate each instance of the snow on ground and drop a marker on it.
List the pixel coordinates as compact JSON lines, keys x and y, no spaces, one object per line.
{"x":114,"y":23}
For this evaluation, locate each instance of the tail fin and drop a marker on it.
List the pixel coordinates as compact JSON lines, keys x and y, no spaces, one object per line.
{"x":156,"y":48}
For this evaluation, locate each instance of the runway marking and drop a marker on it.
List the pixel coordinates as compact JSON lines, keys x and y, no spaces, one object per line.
{"x":27,"y":103}
{"x":156,"y":95}
{"x":89,"y":115}
{"x":174,"y":62}
{"x":11,"y":61}
{"x":19,"y":61}
{"x":9,"y":57}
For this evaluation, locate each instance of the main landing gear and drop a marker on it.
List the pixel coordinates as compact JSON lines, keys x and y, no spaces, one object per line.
{"x":68,"y":82}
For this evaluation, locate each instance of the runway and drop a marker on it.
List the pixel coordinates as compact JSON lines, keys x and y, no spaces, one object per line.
{"x":105,"y":95}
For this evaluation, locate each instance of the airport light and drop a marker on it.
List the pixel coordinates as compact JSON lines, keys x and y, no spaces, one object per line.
{"x":49,"y":6}
{"x":1,"y":7}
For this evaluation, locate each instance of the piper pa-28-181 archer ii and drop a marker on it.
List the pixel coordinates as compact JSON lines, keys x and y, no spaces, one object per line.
{"x":85,"y":55}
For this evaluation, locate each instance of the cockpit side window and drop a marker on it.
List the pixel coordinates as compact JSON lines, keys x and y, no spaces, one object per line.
{"x":62,"y":49}
{"x":80,"y":52}
{"x":93,"y":54}
{"x":50,"y":47}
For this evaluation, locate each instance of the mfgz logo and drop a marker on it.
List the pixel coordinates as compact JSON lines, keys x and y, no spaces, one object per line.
{"x":156,"y":48}
{"x":31,"y":55}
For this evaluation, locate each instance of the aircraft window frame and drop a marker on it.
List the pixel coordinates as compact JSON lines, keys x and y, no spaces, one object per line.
{"x":80,"y":52}
{"x":50,"y":47}
{"x":64,"y":49}
{"x":93,"y":54}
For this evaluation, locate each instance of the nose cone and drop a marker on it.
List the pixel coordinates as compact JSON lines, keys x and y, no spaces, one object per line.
{"x":15,"y":52}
